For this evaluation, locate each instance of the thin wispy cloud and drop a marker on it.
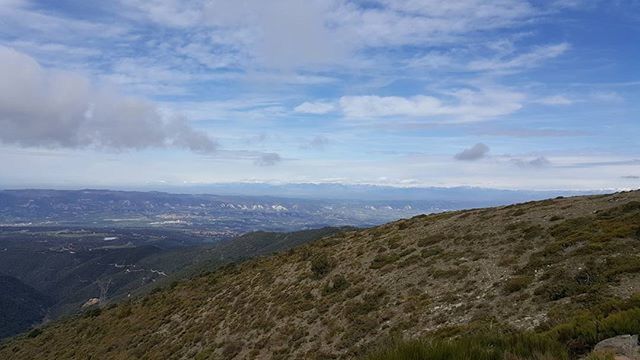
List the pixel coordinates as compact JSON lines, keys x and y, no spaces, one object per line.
{"x":269,"y":159}
{"x":457,"y":106}
{"x":319,"y":142}
{"x":537,"y":162}
{"x":521,"y":61}
{"x":316,"y":108}
{"x":556,"y":100}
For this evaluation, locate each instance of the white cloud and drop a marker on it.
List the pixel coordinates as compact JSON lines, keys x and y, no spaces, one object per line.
{"x":376,"y":106}
{"x":239,"y":108}
{"x":459,"y":106}
{"x":52,"y":108}
{"x":434,"y":60}
{"x":20,"y":18}
{"x":521,"y":61}
{"x":556,"y":100}
{"x":55,"y":49}
{"x":315,"y":108}
{"x":292,"y":33}
{"x":279,"y":34}
{"x":607,"y":96}
{"x":411,"y":22}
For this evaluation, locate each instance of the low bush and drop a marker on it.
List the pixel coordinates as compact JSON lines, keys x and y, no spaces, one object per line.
{"x":34,"y":333}
{"x":383,"y":259}
{"x":92,"y":312}
{"x":430,"y":240}
{"x":320,"y":265}
{"x":518,"y":212}
{"x":337,"y":284}
{"x":478,"y":347}
{"x":517,"y":283}
{"x":436,"y":250}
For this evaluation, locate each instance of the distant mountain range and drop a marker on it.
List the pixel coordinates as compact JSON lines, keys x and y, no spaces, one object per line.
{"x":468,"y":194}
{"x":286,"y":208}
{"x":223,"y":216}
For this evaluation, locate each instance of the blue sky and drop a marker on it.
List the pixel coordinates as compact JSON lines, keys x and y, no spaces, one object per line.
{"x":497,"y":93}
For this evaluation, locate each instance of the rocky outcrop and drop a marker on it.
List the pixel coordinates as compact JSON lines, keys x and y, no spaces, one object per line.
{"x":623,"y":347}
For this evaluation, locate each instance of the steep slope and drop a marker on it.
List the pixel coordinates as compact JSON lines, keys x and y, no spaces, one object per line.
{"x":184,"y":263}
{"x":20,"y":306}
{"x":91,"y":273}
{"x":261,"y":243}
{"x":533,"y":265}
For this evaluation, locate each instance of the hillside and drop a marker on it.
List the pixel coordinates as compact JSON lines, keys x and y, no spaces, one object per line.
{"x":187,"y":262}
{"x":20,"y":306}
{"x":566,"y":269}
{"x":73,"y":267}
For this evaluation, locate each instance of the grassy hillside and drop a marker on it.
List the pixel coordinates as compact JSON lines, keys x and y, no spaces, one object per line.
{"x":70,"y":278}
{"x":188,"y":262}
{"x":548,"y":278}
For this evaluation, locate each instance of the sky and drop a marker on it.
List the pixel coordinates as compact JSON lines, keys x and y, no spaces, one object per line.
{"x":509,"y":94}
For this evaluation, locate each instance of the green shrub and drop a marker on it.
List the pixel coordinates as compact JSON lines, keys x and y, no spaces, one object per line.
{"x":615,"y":212}
{"x":430,"y":240}
{"x":587,"y":328}
{"x":370,"y":302}
{"x":34,"y":333}
{"x":518,"y":212}
{"x":517,"y":283}
{"x":436,"y":250}
{"x":532,"y":232}
{"x":92,"y":312}
{"x":413,"y":259}
{"x":477,"y":347}
{"x":458,"y":272}
{"x":402,"y":225}
{"x":337,"y":284}
{"x":123,"y":311}
{"x":320,"y":265}
{"x":620,"y":265}
{"x":383,"y":259}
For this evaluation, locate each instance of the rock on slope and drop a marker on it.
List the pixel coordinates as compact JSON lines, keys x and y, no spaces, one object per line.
{"x":525,"y":266}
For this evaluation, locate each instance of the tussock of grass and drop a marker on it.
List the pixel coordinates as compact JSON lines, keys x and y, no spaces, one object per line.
{"x":600,"y":356}
{"x":478,"y":347}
